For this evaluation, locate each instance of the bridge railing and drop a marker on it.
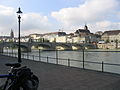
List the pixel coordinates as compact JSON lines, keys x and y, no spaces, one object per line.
{"x":99,"y":66}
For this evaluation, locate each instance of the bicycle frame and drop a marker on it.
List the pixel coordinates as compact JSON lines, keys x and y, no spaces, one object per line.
{"x":10,"y":75}
{"x":6,"y":76}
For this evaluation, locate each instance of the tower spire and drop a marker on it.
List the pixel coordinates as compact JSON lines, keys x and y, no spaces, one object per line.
{"x":12,"y":34}
{"x":86,"y":27}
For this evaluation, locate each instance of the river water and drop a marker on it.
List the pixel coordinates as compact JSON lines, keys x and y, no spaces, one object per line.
{"x":89,"y":55}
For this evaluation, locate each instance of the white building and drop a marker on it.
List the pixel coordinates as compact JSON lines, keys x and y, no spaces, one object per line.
{"x":84,"y":36}
{"x":53,"y":36}
{"x":111,"y":36}
{"x":62,"y":39}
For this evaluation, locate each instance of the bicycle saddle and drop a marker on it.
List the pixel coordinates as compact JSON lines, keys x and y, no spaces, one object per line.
{"x":13,"y":64}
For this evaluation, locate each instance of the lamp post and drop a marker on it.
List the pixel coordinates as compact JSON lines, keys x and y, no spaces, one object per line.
{"x":19,"y":12}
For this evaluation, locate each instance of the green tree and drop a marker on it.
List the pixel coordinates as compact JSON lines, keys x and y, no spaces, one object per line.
{"x":116,"y":43}
{"x":10,"y":40}
{"x":40,"y":39}
{"x":107,"y":41}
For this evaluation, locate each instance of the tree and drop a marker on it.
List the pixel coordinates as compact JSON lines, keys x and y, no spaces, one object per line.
{"x":107,"y":41}
{"x":116,"y":43}
{"x":40,"y":39}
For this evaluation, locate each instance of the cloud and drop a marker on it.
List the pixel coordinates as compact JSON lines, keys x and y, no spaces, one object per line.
{"x":91,"y":11}
{"x":6,"y":18}
{"x":118,"y":15}
{"x":30,"y":22}
{"x":97,"y":14}
{"x":104,"y":26}
{"x":35,"y":22}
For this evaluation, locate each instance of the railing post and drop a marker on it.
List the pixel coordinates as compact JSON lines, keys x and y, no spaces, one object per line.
{"x":83,"y":59}
{"x":23,"y":55}
{"x":56,"y":56}
{"x":7,"y":51}
{"x":102,"y":66}
{"x":15,"y":54}
{"x":47,"y":60}
{"x":12,"y":52}
{"x":27,"y":55}
{"x":39,"y":55}
{"x":33,"y":57}
{"x":68,"y":62}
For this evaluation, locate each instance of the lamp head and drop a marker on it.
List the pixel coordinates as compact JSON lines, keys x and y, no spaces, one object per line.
{"x":19,"y":12}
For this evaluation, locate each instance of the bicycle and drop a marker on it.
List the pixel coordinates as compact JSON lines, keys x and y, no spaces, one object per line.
{"x":19,"y":78}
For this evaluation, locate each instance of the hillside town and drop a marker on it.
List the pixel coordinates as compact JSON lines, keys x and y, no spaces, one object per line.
{"x":104,"y":40}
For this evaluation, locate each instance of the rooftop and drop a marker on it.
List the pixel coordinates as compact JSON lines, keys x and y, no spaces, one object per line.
{"x":112,"y":32}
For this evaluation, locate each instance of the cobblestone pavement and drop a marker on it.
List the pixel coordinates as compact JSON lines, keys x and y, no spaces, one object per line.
{"x":58,"y":77}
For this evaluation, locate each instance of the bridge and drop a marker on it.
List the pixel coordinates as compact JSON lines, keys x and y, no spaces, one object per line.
{"x":27,"y":46}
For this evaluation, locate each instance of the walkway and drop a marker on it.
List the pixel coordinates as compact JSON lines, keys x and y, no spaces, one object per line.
{"x":58,"y":77}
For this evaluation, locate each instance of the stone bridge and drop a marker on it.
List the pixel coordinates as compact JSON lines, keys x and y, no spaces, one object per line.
{"x":27,"y":46}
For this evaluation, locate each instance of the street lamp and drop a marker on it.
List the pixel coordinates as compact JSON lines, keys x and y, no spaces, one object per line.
{"x":19,"y":12}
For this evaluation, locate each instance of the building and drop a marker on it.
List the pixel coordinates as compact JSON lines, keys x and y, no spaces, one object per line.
{"x":61,"y":39}
{"x":83,"y":32}
{"x":5,"y":38}
{"x":8,"y":38}
{"x":70,"y":38}
{"x":84,"y":36}
{"x":111,"y":36}
{"x":51,"y":37}
{"x":24,"y":39}
{"x":99,"y":33}
{"x":12,"y":34}
{"x":35,"y":36}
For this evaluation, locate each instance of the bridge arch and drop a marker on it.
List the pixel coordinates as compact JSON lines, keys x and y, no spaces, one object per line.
{"x":24,"y":47}
{"x":42,"y":46}
{"x":77,"y":47}
{"x":89,"y":46}
{"x":63,"y":46}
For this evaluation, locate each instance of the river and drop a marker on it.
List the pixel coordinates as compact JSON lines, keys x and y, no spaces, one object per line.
{"x":89,"y":55}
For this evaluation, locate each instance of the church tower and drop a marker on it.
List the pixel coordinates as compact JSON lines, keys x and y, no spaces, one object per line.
{"x":86,"y":27}
{"x":12,"y":34}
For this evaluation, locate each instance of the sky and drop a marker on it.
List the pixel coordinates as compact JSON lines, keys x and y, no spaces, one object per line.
{"x":44,"y":16}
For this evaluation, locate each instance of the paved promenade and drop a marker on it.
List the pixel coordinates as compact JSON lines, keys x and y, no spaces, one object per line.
{"x":58,"y":77}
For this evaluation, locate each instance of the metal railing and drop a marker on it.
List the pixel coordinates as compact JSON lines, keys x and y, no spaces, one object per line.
{"x":68,"y":62}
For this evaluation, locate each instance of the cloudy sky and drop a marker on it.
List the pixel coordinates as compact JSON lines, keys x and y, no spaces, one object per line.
{"x":41,"y":16}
